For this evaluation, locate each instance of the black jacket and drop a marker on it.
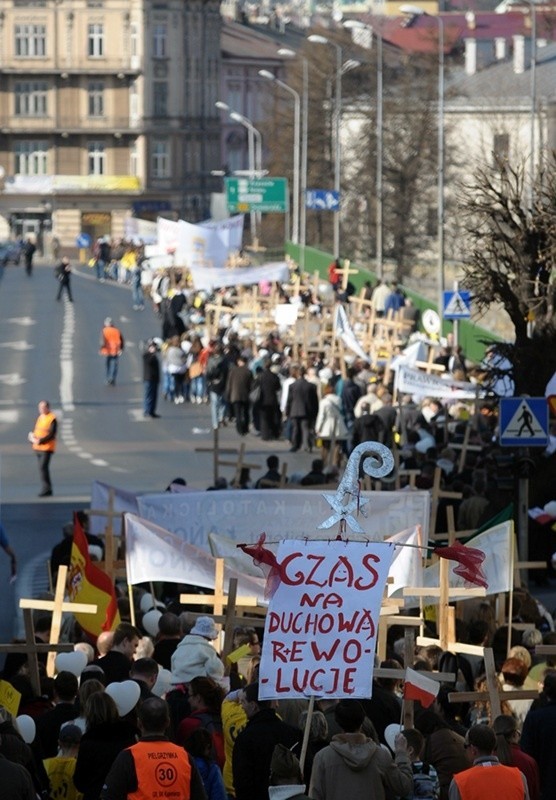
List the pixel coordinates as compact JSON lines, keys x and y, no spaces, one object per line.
{"x":302,"y":400}
{"x":97,"y":752}
{"x":48,"y":727}
{"x":217,"y":373}
{"x":151,"y":367}
{"x":253,"y":750}
{"x":270,"y":386}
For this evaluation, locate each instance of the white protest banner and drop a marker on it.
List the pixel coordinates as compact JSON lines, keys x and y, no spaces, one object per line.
{"x":230,"y":231}
{"x":322,"y":622}
{"x":154,"y":554}
{"x":140,"y":230}
{"x":199,"y":247}
{"x":285,"y":315}
{"x":343,"y":329}
{"x":413,"y":381}
{"x":243,"y":516}
{"x":496,"y":543}
{"x":212,"y":278}
{"x":100,"y":501}
{"x":167,"y":233}
{"x":407,"y":562}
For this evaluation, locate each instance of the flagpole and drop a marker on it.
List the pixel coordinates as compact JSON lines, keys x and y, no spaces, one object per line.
{"x":131,"y":604}
{"x":511,"y":599}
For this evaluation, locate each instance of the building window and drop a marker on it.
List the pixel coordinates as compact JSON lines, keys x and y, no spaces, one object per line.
{"x":31,"y":99}
{"x":133,"y":159}
{"x":95,"y":99}
{"x":30,"y":41}
{"x":160,"y":99}
{"x":160,"y":32}
{"x":96,"y":158}
{"x":133,"y":36}
{"x":95,"y":40}
{"x":160,"y":159}
{"x":31,"y":157}
{"x":501,"y":146}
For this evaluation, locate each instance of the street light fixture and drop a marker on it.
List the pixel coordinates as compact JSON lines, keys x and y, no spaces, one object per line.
{"x":264,"y":73}
{"x":316,"y":39}
{"x":285,"y":51}
{"x":417,"y":11}
{"x":353,"y":24}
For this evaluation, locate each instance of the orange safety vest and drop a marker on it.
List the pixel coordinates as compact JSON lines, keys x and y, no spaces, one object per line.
{"x":42,"y":429}
{"x":112,"y":339}
{"x":163,"y":770}
{"x":488,"y":780}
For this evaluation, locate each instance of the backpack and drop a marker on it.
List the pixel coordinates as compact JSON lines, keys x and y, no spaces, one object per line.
{"x":213,"y":724}
{"x":425,"y":782}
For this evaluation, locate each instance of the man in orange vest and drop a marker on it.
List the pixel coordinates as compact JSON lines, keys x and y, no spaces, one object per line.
{"x":487,"y":777}
{"x":111,"y":346}
{"x":43,"y":439}
{"x":154,"y":767}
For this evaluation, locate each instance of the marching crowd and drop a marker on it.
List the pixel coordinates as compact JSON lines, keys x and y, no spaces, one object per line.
{"x":204,"y":732}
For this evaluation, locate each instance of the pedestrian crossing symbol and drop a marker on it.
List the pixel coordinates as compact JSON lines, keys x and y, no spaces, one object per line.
{"x":523,"y":422}
{"x":457,"y":304}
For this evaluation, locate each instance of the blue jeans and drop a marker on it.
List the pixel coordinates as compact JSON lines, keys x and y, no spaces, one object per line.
{"x":198,"y":386}
{"x":99,"y":266}
{"x":137,"y":295}
{"x":111,"y":368}
{"x":150,"y":396}
{"x":217,"y":409}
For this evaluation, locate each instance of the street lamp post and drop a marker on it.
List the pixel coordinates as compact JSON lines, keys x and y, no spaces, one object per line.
{"x":316,"y":39}
{"x":284,"y":51}
{"x":417,"y":11}
{"x":264,"y":73}
{"x":533,"y":97}
{"x":353,"y":24}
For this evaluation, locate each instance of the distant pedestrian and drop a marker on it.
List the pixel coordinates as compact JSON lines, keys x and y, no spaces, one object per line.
{"x":28,"y":252}
{"x":151,"y":379}
{"x":238,"y":387}
{"x":111,"y":346}
{"x":43,"y":439}
{"x":63,"y":275}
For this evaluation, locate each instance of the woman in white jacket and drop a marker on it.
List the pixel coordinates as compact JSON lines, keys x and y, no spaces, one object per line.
{"x":195,"y":656}
{"x":330,"y":423}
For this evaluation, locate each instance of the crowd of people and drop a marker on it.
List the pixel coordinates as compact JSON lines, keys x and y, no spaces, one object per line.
{"x":208,"y":721}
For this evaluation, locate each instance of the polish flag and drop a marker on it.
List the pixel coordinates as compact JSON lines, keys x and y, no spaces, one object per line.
{"x":418,"y":687}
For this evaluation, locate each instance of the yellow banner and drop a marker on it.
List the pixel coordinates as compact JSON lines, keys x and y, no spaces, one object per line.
{"x":9,"y":698}
{"x":97,"y":183}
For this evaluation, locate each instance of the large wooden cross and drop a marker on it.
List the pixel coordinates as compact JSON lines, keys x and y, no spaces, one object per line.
{"x":345,"y":272}
{"x":219,"y":599}
{"x":217,"y":451}
{"x":57,"y":607}
{"x":110,"y":565}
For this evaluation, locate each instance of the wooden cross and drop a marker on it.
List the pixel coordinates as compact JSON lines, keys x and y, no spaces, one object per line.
{"x":494,"y":694}
{"x":110,"y":565}
{"x":216,"y":451}
{"x":31,"y":649}
{"x":219,"y":599}
{"x":345,"y":272}
{"x":57,"y":608}
{"x":436,"y":495}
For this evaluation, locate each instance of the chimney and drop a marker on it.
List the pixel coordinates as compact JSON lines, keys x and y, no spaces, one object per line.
{"x":519,"y":54}
{"x":499,"y":48}
{"x":470,"y":56}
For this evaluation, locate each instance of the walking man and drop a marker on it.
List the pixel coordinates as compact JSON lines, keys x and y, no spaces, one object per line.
{"x":63,"y":274}
{"x":43,"y":439}
{"x":151,"y":379}
{"x":111,"y":346}
{"x":29,"y":251}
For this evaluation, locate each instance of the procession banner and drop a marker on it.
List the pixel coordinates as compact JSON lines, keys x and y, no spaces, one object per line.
{"x":167,"y":232}
{"x":155,"y":554}
{"x":229,"y":231}
{"x":322,"y":621}
{"x":413,"y":381}
{"x":209,"y":278}
{"x":243,"y":516}
{"x":343,"y":329}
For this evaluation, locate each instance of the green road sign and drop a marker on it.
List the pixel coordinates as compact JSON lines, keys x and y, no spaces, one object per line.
{"x":257,"y":194}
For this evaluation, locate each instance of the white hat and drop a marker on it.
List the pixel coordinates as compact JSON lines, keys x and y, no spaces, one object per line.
{"x":205,"y":627}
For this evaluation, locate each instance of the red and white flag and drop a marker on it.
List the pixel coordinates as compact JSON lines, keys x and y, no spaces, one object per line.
{"x":418,"y":687}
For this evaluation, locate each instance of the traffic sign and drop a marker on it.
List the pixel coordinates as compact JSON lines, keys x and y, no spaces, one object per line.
{"x":523,"y":422}
{"x":322,"y":200}
{"x":257,"y":194}
{"x":83,"y":240}
{"x":457,"y":304}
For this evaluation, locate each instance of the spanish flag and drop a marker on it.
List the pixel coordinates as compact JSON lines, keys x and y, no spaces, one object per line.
{"x":89,"y":584}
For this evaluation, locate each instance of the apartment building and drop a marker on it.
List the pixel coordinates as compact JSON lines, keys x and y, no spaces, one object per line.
{"x":107,"y":109}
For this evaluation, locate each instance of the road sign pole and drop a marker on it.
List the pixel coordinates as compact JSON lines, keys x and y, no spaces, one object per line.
{"x":523,"y":518}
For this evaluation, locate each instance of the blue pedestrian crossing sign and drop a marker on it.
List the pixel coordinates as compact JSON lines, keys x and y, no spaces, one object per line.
{"x":457,"y":304}
{"x":523,"y":422}
{"x":322,"y":200}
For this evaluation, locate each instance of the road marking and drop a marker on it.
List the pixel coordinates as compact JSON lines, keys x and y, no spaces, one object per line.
{"x":21,"y":321}
{"x":21,"y":345}
{"x":8,"y":416}
{"x":99,"y":462}
{"x":12,"y":379}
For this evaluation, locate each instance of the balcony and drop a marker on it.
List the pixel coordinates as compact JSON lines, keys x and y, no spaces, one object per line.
{"x":71,"y":124}
{"x":122,"y":67}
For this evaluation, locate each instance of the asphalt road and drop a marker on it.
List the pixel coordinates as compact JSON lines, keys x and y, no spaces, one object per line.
{"x":49,"y":350}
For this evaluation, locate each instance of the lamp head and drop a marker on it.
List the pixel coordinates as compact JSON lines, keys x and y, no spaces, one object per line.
{"x":237,"y":117}
{"x":285,"y":51}
{"x":316,"y":39}
{"x":412,"y":11}
{"x":355,"y":24}
{"x":222,"y":106}
{"x":265,"y":73}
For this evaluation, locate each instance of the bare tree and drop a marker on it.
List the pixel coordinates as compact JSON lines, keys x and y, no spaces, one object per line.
{"x":508,"y":258}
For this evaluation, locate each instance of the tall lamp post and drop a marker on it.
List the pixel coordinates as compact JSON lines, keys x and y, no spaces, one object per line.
{"x":353,"y":24}
{"x":316,"y":39}
{"x":264,"y":73}
{"x":419,"y":12}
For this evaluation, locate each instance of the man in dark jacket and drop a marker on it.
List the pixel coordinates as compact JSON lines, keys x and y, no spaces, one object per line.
{"x":302,"y":407}
{"x":49,"y":724}
{"x":151,"y":379}
{"x":351,"y":392}
{"x":254,"y":746}
{"x":367,"y":428}
{"x":269,"y":407}
{"x":238,"y":387}
{"x":217,"y":375}
{"x":117,"y":663}
{"x":16,"y":781}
